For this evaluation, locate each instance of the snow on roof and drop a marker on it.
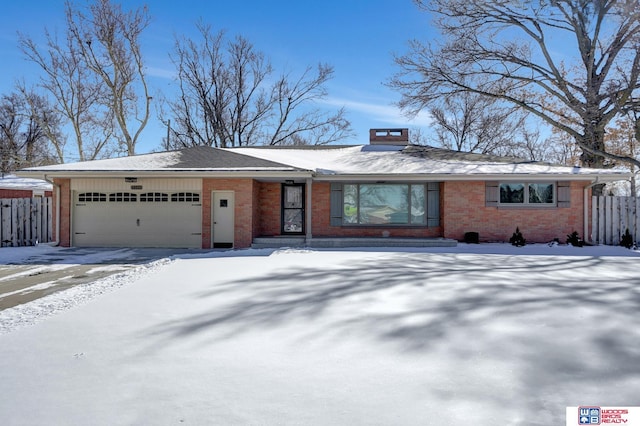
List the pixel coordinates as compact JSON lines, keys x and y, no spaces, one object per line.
{"x":394,"y":160}
{"x":194,"y":158}
{"x":27,"y":184}
{"x":360,"y":160}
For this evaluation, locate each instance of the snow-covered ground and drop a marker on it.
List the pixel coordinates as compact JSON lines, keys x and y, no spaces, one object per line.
{"x":478,"y":334}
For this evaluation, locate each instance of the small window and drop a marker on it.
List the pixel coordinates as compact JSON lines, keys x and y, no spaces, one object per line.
{"x":154,"y":197}
{"x":122,"y":197}
{"x":187,"y":197}
{"x":527,"y":193}
{"x":92,"y":197}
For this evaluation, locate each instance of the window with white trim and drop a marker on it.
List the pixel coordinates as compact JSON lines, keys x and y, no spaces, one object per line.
{"x":527,"y":193}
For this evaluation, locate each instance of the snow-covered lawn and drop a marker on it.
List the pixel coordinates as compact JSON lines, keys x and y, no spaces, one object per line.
{"x":474,"y":335}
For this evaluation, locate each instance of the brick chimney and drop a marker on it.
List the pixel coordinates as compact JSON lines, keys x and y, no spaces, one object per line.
{"x":398,"y":137}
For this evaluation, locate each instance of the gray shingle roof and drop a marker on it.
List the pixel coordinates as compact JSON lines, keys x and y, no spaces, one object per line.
{"x":204,"y":157}
{"x":194,"y":159}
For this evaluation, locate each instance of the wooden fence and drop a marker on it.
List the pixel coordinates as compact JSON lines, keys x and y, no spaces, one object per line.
{"x":612,"y":216}
{"x":25,"y":221}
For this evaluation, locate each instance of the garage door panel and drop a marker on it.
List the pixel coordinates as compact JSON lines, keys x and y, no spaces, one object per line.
{"x":136,"y":223}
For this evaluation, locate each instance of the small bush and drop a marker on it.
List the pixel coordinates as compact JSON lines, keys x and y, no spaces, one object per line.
{"x":517,"y":239}
{"x":626,"y":240}
{"x":471,"y":237}
{"x":574,"y":239}
{"x":554,"y":243}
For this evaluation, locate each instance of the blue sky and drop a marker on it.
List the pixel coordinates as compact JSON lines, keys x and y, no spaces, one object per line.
{"x":357,"y":37}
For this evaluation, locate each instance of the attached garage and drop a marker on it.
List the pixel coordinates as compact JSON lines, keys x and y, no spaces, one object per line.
{"x":132,"y":212}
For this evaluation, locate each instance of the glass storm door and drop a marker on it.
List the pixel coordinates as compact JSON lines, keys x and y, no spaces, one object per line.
{"x":293,"y":209}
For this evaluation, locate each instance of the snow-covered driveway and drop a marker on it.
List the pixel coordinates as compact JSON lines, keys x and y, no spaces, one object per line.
{"x":29,"y":273}
{"x":484,"y":335}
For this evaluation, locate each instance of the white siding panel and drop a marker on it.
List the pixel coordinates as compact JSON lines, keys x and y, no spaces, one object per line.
{"x":148,"y":184}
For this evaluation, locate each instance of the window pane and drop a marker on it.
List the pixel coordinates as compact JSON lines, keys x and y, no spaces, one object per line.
{"x":293,"y":220}
{"x":293,"y":197}
{"x":384,"y":204}
{"x":417,"y":204}
{"x":541,"y":193}
{"x":511,"y":193}
{"x":350,"y":194}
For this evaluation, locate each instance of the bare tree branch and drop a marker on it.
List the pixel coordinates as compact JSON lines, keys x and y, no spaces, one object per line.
{"x":505,"y":50}
{"x":229,"y":97}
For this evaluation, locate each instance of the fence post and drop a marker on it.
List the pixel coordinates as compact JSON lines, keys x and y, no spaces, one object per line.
{"x":636,"y":221}
{"x":595,"y":237}
{"x":5,"y":222}
{"x":624,"y":223}
{"x":38,"y":205}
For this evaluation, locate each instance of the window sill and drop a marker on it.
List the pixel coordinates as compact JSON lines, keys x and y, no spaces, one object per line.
{"x":527,"y":206}
{"x":390,"y":225}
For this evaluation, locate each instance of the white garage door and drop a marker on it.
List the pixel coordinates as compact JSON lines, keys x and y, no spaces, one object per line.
{"x":130,"y":219}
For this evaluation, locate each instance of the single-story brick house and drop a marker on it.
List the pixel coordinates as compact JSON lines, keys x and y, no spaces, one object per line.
{"x":12,"y":186}
{"x":205,"y":197}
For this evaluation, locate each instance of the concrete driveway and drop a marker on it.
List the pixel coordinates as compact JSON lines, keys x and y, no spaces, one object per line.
{"x":59,"y":269}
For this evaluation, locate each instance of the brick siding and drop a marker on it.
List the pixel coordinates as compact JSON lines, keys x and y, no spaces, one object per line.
{"x":244,"y":198}
{"x":464,"y":210}
{"x":20,"y":193}
{"x":269,"y":209}
{"x":65,"y":212}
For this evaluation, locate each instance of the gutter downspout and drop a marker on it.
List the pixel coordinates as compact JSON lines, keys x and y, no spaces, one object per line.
{"x":57,"y":187}
{"x":586,"y":210}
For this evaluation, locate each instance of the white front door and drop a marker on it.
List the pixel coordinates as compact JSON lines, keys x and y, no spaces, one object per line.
{"x":223,"y":213}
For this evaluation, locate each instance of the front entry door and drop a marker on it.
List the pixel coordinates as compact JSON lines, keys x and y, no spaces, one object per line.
{"x":223,"y":219}
{"x":293,"y":208}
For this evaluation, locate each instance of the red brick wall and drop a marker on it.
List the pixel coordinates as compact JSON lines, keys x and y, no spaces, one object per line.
{"x":464,"y":210}
{"x":255,"y":214}
{"x":244,"y":197}
{"x":269,"y":208}
{"x":20,"y":193}
{"x":15,"y":193}
{"x":65,"y":212}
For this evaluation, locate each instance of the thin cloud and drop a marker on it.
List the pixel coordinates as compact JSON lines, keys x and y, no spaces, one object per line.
{"x":161,"y":73}
{"x":379,"y":112}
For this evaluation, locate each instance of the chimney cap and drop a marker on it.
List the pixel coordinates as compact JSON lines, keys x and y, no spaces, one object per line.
{"x":389,"y":136}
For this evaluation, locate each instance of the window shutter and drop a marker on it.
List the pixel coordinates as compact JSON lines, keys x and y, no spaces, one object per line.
{"x":492,"y":193}
{"x":433,"y":204}
{"x":564,"y":194}
{"x":336,"y":204}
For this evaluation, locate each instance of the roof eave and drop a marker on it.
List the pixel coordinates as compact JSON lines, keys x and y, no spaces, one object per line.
{"x":196,"y":173}
{"x":587,"y":177}
{"x":298,"y":174}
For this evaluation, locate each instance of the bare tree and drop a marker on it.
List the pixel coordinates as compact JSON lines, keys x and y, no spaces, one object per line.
{"x":76,"y":94}
{"x":96,"y":75}
{"x":23,"y":141}
{"x":230,"y":96}
{"x":622,"y":139}
{"x":471,"y":122}
{"x":504,"y":50}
